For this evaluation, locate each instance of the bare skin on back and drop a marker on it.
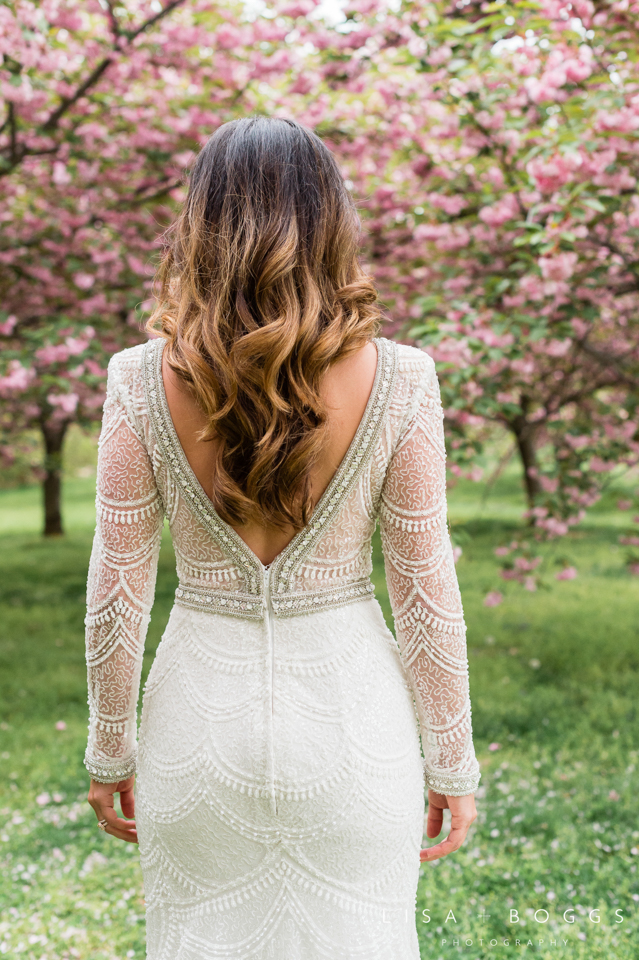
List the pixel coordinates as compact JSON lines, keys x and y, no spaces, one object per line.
{"x":346,"y":388}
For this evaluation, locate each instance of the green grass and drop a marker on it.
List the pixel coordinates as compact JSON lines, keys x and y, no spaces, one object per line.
{"x":553,"y":682}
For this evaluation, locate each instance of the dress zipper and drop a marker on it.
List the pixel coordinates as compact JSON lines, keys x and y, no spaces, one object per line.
{"x":268,"y":618}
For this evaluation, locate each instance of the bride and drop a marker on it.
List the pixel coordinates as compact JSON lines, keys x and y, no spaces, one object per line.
{"x":286,"y":739}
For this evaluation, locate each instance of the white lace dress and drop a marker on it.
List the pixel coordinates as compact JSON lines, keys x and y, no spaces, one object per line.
{"x":279,"y":776}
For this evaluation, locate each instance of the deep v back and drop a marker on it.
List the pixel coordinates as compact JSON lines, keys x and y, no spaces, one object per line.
{"x":187,"y":421}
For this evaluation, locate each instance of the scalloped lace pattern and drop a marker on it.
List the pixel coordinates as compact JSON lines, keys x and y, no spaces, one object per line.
{"x":286,"y":736}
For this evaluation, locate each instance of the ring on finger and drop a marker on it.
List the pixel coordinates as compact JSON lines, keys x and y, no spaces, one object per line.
{"x":102,"y":824}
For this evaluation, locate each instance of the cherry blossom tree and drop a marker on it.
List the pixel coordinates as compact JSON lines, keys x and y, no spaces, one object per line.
{"x":104,"y":105}
{"x":496,"y":147}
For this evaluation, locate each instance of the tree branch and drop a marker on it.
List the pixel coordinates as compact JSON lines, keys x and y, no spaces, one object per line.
{"x":52,"y":121}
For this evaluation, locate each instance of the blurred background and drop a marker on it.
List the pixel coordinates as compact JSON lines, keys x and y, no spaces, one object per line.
{"x":492,"y":150}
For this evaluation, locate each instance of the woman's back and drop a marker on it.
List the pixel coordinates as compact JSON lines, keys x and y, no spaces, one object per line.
{"x":346,"y":389}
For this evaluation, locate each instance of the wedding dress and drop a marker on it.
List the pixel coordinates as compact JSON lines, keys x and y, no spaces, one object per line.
{"x":279,"y":776}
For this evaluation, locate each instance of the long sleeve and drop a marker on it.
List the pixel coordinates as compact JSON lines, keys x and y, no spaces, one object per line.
{"x":424,"y":592}
{"x":121,"y":584}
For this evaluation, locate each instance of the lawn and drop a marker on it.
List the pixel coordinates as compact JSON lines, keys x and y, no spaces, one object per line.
{"x":553,"y":682}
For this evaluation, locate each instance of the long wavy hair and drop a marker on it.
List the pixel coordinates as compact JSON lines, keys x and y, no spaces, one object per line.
{"x":259,"y":290}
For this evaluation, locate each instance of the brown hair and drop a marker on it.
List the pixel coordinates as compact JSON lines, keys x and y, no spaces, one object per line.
{"x":260,"y":291}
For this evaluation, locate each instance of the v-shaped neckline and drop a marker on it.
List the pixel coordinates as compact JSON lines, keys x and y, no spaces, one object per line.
{"x":195,"y":494}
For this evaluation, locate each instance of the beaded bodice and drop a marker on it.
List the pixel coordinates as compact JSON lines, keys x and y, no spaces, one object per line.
{"x":393,"y":473}
{"x":326,"y":563}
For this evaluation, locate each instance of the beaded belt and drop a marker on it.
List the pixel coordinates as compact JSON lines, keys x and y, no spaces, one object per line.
{"x":250,"y":606}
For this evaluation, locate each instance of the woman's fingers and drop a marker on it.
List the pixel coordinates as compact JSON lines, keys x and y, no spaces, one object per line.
{"x":463,"y":813}
{"x":127,"y":801}
{"x":452,"y":842}
{"x":122,"y":829}
{"x":435,"y":820}
{"x":101,"y":798}
{"x":116,"y":826}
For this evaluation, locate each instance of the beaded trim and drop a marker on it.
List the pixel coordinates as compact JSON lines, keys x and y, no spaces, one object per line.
{"x":110,"y":771}
{"x":232,"y":604}
{"x":173,"y":455}
{"x":125,"y":515}
{"x":284,"y":567}
{"x":287,"y":563}
{"x":451,"y":786}
{"x":286,"y":605}
{"x":290,"y":605}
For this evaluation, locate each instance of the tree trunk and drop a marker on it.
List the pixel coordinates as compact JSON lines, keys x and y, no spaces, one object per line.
{"x":525,"y":436}
{"x":526,"y":447}
{"x":53,"y":433}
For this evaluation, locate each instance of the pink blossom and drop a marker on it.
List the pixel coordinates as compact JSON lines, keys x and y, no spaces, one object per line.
{"x":440,"y":54}
{"x":532,"y":286}
{"x":65,"y":402}
{"x":17,"y":379}
{"x":553,"y":526}
{"x":61,"y":725}
{"x":634,"y":569}
{"x":449,"y":204}
{"x":499,"y":213}
{"x":568,"y":573}
{"x":61,"y":175}
{"x":42,"y":799}
{"x":523,"y":365}
{"x":576,"y":70}
{"x":530,"y":584}
{"x":227,"y":36}
{"x":548,"y":484}
{"x":624,"y":504}
{"x":75,"y":345}
{"x":457,"y":552}
{"x":597,"y":465}
{"x":560,"y":267}
{"x":83,"y":280}
{"x":552,"y":174}
{"x":494,"y":746}
{"x":537,"y":511}
{"x":495,"y":176}
{"x":621,"y":121}
{"x":501,"y":551}
{"x":558,"y":348}
{"x":493,"y":599}
{"x":8,"y":326}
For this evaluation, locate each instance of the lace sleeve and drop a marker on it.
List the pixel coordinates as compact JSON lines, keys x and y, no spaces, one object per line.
{"x":121,"y":585}
{"x":424,"y":592}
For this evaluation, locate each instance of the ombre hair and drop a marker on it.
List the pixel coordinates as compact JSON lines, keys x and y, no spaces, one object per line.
{"x":259,"y":291}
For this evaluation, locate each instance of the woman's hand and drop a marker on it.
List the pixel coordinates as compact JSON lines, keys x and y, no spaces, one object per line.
{"x":463,"y":812}
{"x":101,"y":799}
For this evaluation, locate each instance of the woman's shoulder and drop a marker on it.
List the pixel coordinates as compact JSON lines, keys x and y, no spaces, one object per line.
{"x":125,"y":368}
{"x":415,"y":367}
{"x":128,"y":359}
{"x":416,"y":383}
{"x":412,"y":358}
{"x":125,"y":383}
